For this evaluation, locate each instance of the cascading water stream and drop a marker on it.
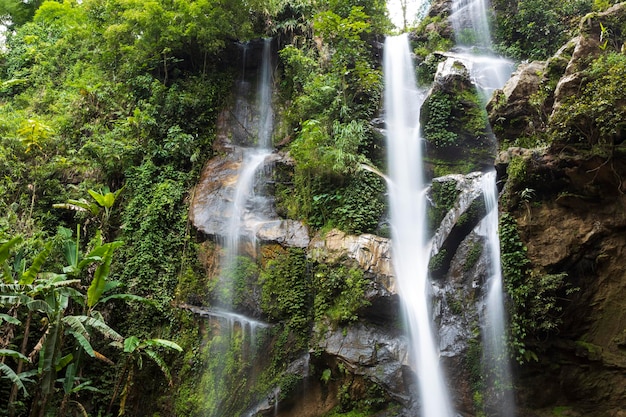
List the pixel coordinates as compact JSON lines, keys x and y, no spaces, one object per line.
{"x":489,"y":72}
{"x":235,"y":338}
{"x":252,"y":160}
{"x":474,"y":47}
{"x":495,"y":353}
{"x":264,"y":98}
{"x":470,"y":24}
{"x":408,"y":218}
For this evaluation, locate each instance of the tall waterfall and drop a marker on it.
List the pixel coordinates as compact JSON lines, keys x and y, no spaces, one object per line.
{"x":408,"y":218}
{"x":252,"y":160}
{"x":489,"y":72}
{"x":495,"y":353}
{"x":264,"y":98}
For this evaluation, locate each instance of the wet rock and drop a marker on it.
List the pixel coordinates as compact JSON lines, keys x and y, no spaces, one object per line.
{"x":509,"y":111}
{"x":465,"y":214}
{"x":370,"y":252}
{"x":212,"y":204}
{"x":375,"y":352}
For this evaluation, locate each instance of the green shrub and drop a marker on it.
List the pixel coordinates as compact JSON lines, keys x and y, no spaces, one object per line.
{"x":443,"y":196}
{"x":339,"y":293}
{"x":437,"y":128}
{"x":595,"y":116}
{"x":285,"y":289}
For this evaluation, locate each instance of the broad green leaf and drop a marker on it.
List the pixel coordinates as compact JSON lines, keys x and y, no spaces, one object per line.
{"x":159,"y":361}
{"x":76,"y":324}
{"x":83,"y":342}
{"x":28,"y":277}
{"x":63,"y":362}
{"x":5,"y":248}
{"x":81,"y":205}
{"x":162,"y":343}
{"x":100,"y":198}
{"x":98,"y":284}
{"x":71,"y":255}
{"x":50,"y":351}
{"x":9,"y":319}
{"x":130,"y":344}
{"x":87,"y":261}
{"x":11,"y":300}
{"x":85,"y":386}
{"x":69,"y":378}
{"x":14,"y":354}
{"x":110,"y":285}
{"x":100,"y":326}
{"x":13,"y":377}
{"x":40,"y":305}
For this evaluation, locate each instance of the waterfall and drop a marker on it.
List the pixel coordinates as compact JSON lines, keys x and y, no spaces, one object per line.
{"x":470,"y":24}
{"x":495,"y":354}
{"x":234,"y":338}
{"x":252,"y":160}
{"x":264,"y":97}
{"x":489,"y":72}
{"x":474,"y":47}
{"x":402,"y":102}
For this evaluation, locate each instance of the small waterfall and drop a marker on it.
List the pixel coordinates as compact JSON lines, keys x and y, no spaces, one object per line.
{"x":408,"y":218}
{"x":264,"y":98}
{"x":474,"y":47}
{"x":235,"y":339}
{"x":470,"y":24}
{"x":495,"y":354}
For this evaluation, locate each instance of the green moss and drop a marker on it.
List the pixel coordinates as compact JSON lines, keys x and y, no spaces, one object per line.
{"x":455,"y":303}
{"x":438,"y":112}
{"x":436,"y":261}
{"x":285,"y":290}
{"x":443,"y":196}
{"x":516,"y":170}
{"x":473,"y":255}
{"x":339,"y":293}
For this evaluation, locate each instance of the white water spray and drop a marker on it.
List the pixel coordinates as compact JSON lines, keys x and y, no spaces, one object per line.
{"x":470,"y":22}
{"x":264,"y":98}
{"x":495,"y":353}
{"x":408,"y":218}
{"x":252,"y":160}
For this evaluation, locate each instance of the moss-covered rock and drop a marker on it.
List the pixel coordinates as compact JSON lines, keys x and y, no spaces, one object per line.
{"x":454,"y":123}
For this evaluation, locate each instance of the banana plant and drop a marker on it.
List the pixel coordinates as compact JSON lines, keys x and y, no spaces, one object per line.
{"x":135,"y":350}
{"x":103,"y":202}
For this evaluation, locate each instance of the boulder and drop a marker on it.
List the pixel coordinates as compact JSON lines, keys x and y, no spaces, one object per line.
{"x":379,"y":353}
{"x":509,"y":111}
{"x":454,"y":124}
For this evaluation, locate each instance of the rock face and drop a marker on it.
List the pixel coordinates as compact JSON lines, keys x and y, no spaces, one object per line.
{"x":509,"y":111}
{"x":454,"y":124}
{"x":380,"y":354}
{"x":212,"y":204}
{"x":575,"y":226}
{"x":568,"y":205}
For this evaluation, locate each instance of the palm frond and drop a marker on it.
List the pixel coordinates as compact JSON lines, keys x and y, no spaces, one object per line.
{"x":13,"y":377}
